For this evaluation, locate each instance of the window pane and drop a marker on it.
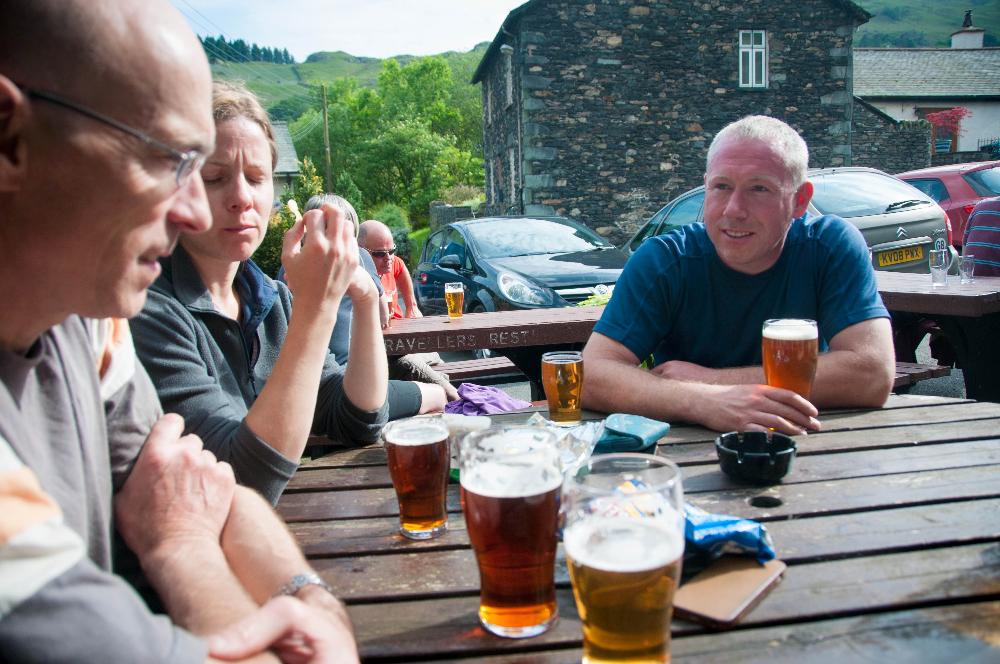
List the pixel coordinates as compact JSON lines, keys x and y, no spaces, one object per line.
{"x":745,"y":38}
{"x":744,"y":67}
{"x":758,"y":68}
{"x":758,"y":38}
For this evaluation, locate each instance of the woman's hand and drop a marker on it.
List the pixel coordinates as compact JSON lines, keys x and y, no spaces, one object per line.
{"x":320,"y":255}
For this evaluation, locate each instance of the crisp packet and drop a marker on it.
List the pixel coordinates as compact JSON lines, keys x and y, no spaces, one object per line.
{"x":576,"y":443}
{"x":712,"y":535}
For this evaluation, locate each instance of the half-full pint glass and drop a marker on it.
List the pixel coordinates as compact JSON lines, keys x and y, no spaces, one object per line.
{"x":417,"y":448}
{"x":454,"y":298}
{"x":789,"y":347}
{"x":562,"y":380}
{"x":624,"y":539}
{"x":510,"y":480}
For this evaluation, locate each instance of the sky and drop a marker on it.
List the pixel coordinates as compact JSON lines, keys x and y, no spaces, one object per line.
{"x":373,"y":28}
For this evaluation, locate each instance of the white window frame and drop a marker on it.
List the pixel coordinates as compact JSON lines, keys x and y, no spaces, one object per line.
{"x":753,"y":61}
{"x":508,"y":70}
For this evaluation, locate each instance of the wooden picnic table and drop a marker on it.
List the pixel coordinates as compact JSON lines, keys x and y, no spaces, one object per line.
{"x":888,"y":521}
{"x":969,"y":316}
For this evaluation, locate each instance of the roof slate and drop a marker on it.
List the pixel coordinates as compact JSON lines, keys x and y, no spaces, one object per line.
{"x":926,"y":72}
{"x":288,"y":159}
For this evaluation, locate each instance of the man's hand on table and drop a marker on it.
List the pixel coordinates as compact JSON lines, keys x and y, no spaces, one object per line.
{"x":755,"y":408}
{"x":312,"y":627}
{"x":176,"y":493}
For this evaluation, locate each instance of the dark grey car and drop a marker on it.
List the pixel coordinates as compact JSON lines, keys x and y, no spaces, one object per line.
{"x":900,"y":223}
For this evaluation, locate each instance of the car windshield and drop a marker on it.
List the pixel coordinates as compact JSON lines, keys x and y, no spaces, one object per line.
{"x":986,"y":182}
{"x":860,"y":193}
{"x":526,"y":237}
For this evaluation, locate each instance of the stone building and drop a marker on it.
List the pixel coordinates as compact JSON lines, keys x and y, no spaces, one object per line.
{"x":603,"y":110}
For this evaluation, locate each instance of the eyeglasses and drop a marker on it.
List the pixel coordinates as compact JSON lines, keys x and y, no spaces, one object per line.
{"x":189,"y":162}
{"x":382,"y":253}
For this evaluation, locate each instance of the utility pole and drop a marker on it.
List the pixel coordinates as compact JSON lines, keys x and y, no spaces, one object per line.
{"x":326,"y":145}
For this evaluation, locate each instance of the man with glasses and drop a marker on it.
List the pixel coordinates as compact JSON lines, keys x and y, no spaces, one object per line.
{"x":376,"y":237}
{"x":104,"y":122}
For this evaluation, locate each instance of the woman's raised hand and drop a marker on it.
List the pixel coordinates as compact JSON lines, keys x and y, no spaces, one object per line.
{"x":320,"y":255}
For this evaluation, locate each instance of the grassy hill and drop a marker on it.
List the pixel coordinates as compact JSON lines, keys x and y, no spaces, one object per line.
{"x":910,"y":23}
{"x":277,"y":83}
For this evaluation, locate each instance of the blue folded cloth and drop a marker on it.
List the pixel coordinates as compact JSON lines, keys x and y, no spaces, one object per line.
{"x":483,"y":400}
{"x":630,"y":433}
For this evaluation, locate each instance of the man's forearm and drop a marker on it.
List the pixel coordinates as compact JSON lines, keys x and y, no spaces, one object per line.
{"x":260,"y":550}
{"x":197,"y":587}
{"x":846,"y":378}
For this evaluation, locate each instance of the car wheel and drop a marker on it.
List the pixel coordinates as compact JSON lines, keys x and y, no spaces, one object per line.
{"x":481,"y":353}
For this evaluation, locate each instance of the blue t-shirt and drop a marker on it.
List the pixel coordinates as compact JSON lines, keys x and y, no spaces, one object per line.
{"x":676,"y":299}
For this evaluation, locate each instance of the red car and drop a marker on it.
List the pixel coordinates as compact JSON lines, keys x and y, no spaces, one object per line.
{"x":957,"y":188}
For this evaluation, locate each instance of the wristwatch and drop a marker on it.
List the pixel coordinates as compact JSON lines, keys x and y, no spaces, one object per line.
{"x":300,"y":581}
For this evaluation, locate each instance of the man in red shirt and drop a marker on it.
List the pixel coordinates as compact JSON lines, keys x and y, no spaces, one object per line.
{"x":377,"y":239}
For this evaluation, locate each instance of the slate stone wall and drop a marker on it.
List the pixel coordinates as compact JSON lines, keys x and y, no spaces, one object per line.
{"x":881,"y":142}
{"x":619,"y":99}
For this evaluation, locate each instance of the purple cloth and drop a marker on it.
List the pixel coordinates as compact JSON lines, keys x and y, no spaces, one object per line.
{"x":483,"y":400}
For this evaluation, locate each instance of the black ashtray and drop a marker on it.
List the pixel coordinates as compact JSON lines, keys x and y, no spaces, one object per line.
{"x":757,"y":457}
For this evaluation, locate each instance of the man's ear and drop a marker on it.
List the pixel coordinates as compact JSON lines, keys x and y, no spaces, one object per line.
{"x":803,"y":195}
{"x":13,"y":148}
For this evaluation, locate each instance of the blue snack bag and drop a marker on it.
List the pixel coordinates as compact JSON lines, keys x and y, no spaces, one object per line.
{"x":712,"y":535}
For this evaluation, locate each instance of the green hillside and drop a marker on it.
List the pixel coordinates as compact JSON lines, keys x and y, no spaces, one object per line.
{"x":291,"y":83}
{"x":909,"y":23}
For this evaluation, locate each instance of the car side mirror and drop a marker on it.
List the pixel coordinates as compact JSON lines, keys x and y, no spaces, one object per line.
{"x":452,"y":261}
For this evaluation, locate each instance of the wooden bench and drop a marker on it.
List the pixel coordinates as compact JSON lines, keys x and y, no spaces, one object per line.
{"x":499,"y":368}
{"x":494,"y":369}
{"x":910,"y":373}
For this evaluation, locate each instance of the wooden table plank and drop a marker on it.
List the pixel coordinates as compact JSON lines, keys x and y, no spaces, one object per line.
{"x":818,"y":591}
{"x":317,"y":505}
{"x":914,"y":293}
{"x":962,"y":633}
{"x":491,"y":329}
{"x":350,"y":537}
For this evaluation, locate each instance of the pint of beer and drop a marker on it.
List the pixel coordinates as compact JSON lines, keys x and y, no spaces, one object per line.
{"x":789,"y":347}
{"x":562,"y":379}
{"x":624,"y":539}
{"x":454,"y":297}
{"x":417,"y":448}
{"x":510,"y":480}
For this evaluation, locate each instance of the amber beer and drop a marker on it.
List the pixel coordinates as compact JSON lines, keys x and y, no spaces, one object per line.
{"x":789,"y":348}
{"x":510,"y":496}
{"x":624,"y":540}
{"x":417,"y":448}
{"x":562,"y":379}
{"x":454,"y":297}
{"x":624,"y":574}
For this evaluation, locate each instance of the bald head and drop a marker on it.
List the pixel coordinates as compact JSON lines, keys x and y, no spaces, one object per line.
{"x":373,"y":232}
{"x":95,"y":50}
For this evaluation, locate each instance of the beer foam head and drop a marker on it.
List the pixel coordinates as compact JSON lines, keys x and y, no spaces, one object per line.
{"x":623,"y":544}
{"x":415,"y":431}
{"x":791,"y":329}
{"x":501,"y":479}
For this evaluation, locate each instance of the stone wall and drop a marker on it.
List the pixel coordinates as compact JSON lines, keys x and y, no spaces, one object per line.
{"x":622,"y":97}
{"x":442,"y":213}
{"x":889,"y":145}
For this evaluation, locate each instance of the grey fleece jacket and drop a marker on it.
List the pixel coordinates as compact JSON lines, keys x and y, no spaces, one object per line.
{"x":210,"y":369}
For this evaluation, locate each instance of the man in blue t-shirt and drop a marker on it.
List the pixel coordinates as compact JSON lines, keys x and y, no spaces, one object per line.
{"x":695,"y":299}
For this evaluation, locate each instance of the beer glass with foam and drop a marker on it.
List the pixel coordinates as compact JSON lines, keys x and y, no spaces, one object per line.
{"x":562,"y":380}
{"x":454,"y":298}
{"x":511,"y":477}
{"x":417,"y":448}
{"x":624,"y":541}
{"x":789,"y":347}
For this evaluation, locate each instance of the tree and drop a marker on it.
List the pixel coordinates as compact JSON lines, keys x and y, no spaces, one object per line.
{"x":949,"y":120}
{"x":344,"y":186}
{"x":286,"y":57}
{"x":255,"y":53}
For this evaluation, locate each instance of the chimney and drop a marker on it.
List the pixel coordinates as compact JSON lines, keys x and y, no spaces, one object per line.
{"x":968,"y":36}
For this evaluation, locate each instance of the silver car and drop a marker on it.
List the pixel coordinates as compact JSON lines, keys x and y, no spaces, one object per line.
{"x":900,"y":223}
